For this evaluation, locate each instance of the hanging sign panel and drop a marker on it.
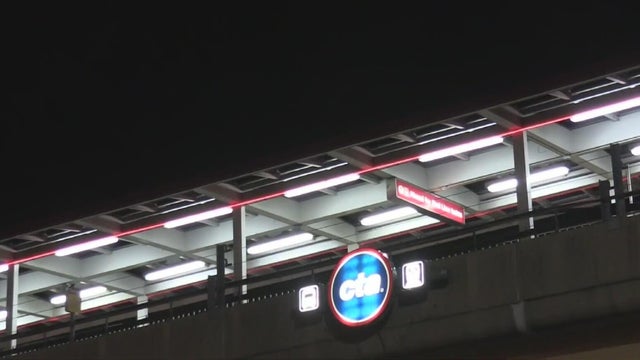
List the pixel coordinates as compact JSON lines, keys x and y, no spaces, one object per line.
{"x":430,"y":204}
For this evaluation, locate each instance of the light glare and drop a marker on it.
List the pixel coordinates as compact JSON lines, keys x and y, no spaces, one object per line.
{"x":86,"y":246}
{"x":458,"y":149}
{"x":279,"y":243}
{"x":84,"y":293}
{"x":533,"y":178}
{"x":174,"y":270}
{"x":604,"y":110}
{"x":388,"y":215}
{"x":321,"y":185}
{"x":198,"y":217}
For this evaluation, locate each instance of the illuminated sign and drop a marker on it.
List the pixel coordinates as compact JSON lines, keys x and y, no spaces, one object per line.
{"x":360,"y":287}
{"x":433,"y":204}
{"x":308,"y":298}
{"x":413,"y":275}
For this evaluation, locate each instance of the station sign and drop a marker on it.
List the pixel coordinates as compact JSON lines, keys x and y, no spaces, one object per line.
{"x":360,"y":287}
{"x":429,"y":203}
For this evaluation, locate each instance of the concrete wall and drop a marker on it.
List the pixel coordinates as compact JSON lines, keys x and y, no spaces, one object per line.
{"x":518,"y":288}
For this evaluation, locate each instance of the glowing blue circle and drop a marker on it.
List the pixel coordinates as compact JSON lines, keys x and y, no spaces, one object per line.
{"x":360,"y":287}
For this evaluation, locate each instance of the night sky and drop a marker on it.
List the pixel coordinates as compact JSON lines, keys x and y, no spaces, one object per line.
{"x":108,"y":106}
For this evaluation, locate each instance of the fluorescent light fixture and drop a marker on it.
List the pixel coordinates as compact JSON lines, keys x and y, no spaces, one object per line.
{"x":604,"y":110}
{"x":92,"y":291}
{"x":462,"y":148}
{"x":321,"y":185}
{"x":308,"y":298}
{"x":413,"y":275}
{"x":84,"y":293}
{"x":635,"y":150}
{"x":533,"y":178}
{"x":502,"y":185}
{"x":4,"y":267}
{"x":86,"y":246}
{"x":388,"y":215}
{"x":198,"y":217}
{"x":174,"y":270}
{"x":280,"y":243}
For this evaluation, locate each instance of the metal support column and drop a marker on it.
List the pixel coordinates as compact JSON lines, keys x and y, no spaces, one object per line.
{"x":618,"y":185}
{"x":525,"y":224}
{"x":605,"y":199}
{"x":220,"y":276}
{"x":12,"y":303}
{"x":239,"y":248}
{"x":523,"y":190}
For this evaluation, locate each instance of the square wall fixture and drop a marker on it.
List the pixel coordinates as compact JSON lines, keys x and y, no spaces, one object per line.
{"x":309,"y":298}
{"x":413,"y":275}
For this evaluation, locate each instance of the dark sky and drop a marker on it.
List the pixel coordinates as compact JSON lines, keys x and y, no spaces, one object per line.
{"x":108,"y":106}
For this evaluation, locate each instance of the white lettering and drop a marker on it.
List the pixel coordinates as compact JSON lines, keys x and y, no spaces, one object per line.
{"x":360,"y":287}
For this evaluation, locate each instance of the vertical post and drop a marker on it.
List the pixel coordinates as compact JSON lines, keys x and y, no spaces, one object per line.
{"x":525,"y":224}
{"x":605,"y":199}
{"x":220,"y":276}
{"x":523,"y":190}
{"x":618,"y":186}
{"x":239,"y":249}
{"x":12,"y":303}
{"x":73,"y":305}
{"x":72,"y":329}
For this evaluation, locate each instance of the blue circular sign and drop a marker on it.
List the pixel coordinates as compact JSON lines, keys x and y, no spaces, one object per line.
{"x":360,"y":287}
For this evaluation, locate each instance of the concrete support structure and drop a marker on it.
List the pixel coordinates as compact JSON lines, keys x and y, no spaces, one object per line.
{"x":240,"y":248}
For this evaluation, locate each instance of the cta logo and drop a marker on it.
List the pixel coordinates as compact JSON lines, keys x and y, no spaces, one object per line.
{"x":360,"y":287}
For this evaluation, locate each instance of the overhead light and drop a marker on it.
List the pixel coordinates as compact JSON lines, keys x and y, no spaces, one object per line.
{"x":280,"y":243}
{"x":503,"y":185}
{"x":462,"y":148}
{"x":198,"y":217}
{"x":604,"y":110}
{"x":92,"y":291}
{"x":321,"y":185}
{"x":635,"y":150}
{"x":84,"y":293}
{"x":86,"y":246}
{"x":174,"y":270}
{"x":388,"y":215}
{"x":533,"y":178}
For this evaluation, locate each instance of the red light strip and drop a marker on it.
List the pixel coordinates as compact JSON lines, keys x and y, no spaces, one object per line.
{"x":535,"y":126}
{"x":135,"y":231}
{"x":20,"y":261}
{"x":278,"y":194}
{"x":255,"y":200}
